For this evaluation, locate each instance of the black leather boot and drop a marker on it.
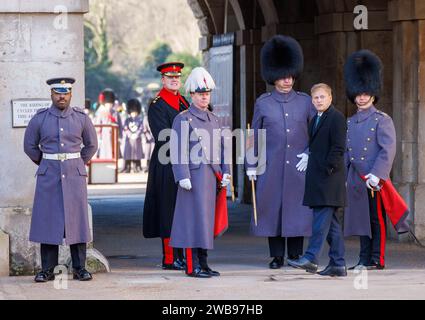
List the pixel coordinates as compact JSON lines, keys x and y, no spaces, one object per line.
{"x":276,"y":263}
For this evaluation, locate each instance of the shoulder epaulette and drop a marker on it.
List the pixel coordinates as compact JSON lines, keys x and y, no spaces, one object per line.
{"x":41,"y":110}
{"x":78,"y":110}
{"x":156,"y":99}
{"x":265,"y":95}
{"x":382,"y":113}
{"x":303,"y":94}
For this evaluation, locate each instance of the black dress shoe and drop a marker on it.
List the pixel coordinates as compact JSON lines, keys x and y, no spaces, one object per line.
{"x":211,"y":272}
{"x":359,"y":265}
{"x":334,"y":271}
{"x":375,"y":266}
{"x":294,"y":257}
{"x":44,"y":276}
{"x":199,"y":273}
{"x":176,"y":265}
{"x":303,"y":263}
{"x":82,"y":274}
{"x":276,"y":263}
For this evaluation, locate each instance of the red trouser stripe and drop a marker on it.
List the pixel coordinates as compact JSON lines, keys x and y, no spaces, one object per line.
{"x":168,"y":252}
{"x":382,"y":227}
{"x":189,"y":261}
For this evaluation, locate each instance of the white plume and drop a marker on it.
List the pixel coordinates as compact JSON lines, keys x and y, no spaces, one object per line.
{"x":199,"y":78}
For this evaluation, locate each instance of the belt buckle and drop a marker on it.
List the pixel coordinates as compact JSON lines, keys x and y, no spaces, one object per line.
{"x":61,"y":156}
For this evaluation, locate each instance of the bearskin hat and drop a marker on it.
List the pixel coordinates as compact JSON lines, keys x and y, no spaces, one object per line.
{"x":363,"y":74}
{"x":134,"y":105}
{"x":281,"y":57}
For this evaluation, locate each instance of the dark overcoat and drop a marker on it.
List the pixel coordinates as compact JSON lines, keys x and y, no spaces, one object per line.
{"x":161,"y":191}
{"x":325,"y":176}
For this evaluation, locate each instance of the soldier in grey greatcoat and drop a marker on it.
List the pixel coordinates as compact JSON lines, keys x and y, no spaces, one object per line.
{"x":197,"y":154}
{"x":371,"y":148}
{"x":285,"y":115}
{"x":54,"y":140}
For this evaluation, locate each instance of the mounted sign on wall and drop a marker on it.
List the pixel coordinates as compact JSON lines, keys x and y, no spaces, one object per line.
{"x":24,"y":109}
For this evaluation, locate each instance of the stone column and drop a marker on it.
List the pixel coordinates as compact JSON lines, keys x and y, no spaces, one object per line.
{"x":334,"y":26}
{"x":408,"y":18}
{"x":38,"y":40}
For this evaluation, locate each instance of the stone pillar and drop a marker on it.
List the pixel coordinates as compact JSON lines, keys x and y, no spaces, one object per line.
{"x":334,"y":25}
{"x":35,"y":44}
{"x":408,"y":18}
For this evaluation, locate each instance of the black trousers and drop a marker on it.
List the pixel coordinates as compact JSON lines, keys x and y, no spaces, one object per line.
{"x":192,"y":260}
{"x":50,"y":256}
{"x":277,"y":246}
{"x":169,"y":254}
{"x":372,"y":250}
{"x":203,"y":258}
{"x":196,"y":258}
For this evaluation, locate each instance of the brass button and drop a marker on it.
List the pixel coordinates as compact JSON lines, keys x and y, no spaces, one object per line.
{"x":63,"y":176}
{"x":289,"y":146}
{"x":368,"y":139}
{"x":372,"y":129}
{"x":350,"y":149}
{"x":61,"y":129}
{"x":287,"y":162}
{"x":62,"y":144}
{"x":365,"y":149}
{"x":287,"y":130}
{"x":286,"y":115}
{"x":362,"y":158}
{"x":352,"y":159}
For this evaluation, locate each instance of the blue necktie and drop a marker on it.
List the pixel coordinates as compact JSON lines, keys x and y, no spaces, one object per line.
{"x":317,"y":123}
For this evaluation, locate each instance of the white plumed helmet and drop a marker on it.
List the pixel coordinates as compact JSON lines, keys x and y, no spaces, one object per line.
{"x":199,"y":80}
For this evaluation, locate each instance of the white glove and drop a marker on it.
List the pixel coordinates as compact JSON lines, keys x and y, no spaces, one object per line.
{"x":185,"y":184}
{"x":302,"y":165}
{"x":226,"y":180}
{"x":372,"y":181}
{"x":252,"y":174}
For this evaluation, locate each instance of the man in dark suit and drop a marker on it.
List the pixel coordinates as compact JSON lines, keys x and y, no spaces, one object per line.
{"x":325,"y":184}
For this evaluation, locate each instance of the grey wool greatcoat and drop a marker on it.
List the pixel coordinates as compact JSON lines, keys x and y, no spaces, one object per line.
{"x":133,"y":129}
{"x":199,"y":133}
{"x":325,"y":175}
{"x":280,"y":189}
{"x":371,"y":148}
{"x":60,"y":207}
